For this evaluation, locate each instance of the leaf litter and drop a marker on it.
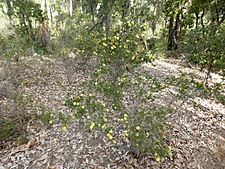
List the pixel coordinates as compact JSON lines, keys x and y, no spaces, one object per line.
{"x":196,"y":132}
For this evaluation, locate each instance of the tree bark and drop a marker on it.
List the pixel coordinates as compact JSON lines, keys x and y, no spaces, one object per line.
{"x":107,"y":25}
{"x":202,"y":20}
{"x":71,"y":7}
{"x":173,"y":33}
{"x":92,"y":11}
{"x":196,"y":20}
{"x":29,"y":30}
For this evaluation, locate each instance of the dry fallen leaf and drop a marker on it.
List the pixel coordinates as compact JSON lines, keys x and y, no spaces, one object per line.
{"x":32,"y":143}
{"x":52,"y":167}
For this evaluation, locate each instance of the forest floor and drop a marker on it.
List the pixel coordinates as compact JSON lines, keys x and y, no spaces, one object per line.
{"x":196,"y":131}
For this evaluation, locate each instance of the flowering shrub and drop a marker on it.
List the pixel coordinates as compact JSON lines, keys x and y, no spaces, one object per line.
{"x":118,"y":100}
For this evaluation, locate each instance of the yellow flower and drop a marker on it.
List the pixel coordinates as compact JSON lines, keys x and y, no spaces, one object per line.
{"x":120,"y":120}
{"x":92,"y":126}
{"x":105,"y":119}
{"x":169,"y":151}
{"x":126,"y":133}
{"x":103,"y":104}
{"x":129,"y":24}
{"x":64,"y":127}
{"x":157,"y":157}
{"x":113,"y":47}
{"x":110,"y":131}
{"x":125,"y":118}
{"x":125,"y":115}
{"x":138,"y":128}
{"x":103,"y":126}
{"x":109,"y":136}
{"x":50,"y":122}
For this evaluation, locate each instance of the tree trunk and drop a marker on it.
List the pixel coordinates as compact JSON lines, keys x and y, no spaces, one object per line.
{"x":107,"y":25}
{"x":170,"y":38}
{"x":92,"y":11}
{"x":29,"y":30}
{"x":196,"y":20}
{"x":202,"y":20}
{"x":173,"y":33}
{"x":43,"y":2}
{"x":71,"y":7}
{"x":153,"y":27}
{"x":49,"y":13}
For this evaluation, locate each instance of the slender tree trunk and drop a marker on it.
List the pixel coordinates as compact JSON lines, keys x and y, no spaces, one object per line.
{"x":107,"y":6}
{"x":107,"y":25}
{"x":71,"y":7}
{"x":92,"y":11}
{"x":196,"y":20}
{"x":170,"y":38}
{"x":173,"y":33}
{"x":28,"y":27}
{"x":49,"y":13}
{"x":43,"y":2}
{"x":153,"y":27}
{"x":202,"y":20}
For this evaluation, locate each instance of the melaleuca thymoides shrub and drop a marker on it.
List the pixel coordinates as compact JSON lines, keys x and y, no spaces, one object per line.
{"x":101,"y":102}
{"x":103,"y":105}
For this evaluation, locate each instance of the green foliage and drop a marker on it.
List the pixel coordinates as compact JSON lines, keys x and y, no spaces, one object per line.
{"x":12,"y":46}
{"x":21,"y":140}
{"x":46,"y":118}
{"x":206,"y":48}
{"x":7,"y":129}
{"x":25,"y":15}
{"x":24,"y":8}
